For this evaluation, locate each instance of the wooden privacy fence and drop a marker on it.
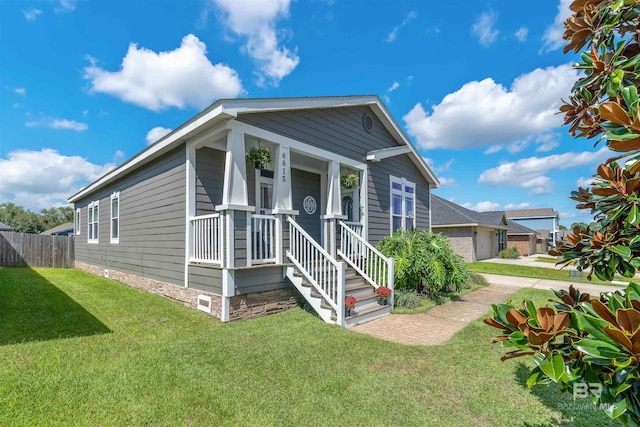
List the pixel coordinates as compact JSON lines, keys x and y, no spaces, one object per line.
{"x":36,"y":250}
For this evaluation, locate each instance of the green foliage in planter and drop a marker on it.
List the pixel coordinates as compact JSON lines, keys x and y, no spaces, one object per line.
{"x":424,"y":262}
{"x":509,"y":253}
{"x":406,"y":299}
{"x":582,"y":342}
{"x":259,"y":156}
{"x":349,"y":181}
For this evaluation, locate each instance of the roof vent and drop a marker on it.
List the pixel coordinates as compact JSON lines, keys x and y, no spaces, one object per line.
{"x":367,"y":123}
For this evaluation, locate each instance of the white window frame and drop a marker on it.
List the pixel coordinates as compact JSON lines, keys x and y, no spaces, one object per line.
{"x":259,"y":181}
{"x":78,"y":224}
{"x":116,"y":239}
{"x":408,"y":221}
{"x":93,"y":235}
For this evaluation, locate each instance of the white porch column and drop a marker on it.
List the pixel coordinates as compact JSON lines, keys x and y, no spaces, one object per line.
{"x":282,"y":200}
{"x":235,"y":172}
{"x":334,"y":205}
{"x":190,"y":211}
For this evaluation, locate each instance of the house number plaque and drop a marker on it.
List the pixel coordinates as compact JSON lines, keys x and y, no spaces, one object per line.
{"x":309,"y":204}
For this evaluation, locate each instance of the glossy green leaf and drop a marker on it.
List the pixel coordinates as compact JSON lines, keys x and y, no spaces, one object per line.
{"x":623,"y":251}
{"x":599,"y":349}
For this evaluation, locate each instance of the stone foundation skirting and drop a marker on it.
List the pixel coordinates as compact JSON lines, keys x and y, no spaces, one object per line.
{"x":248,"y":306}
{"x":262,"y":303}
{"x":185,"y":296}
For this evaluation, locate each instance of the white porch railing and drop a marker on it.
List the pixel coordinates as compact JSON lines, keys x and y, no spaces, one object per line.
{"x":355,"y":226}
{"x":263,"y":238}
{"x":364,"y":258}
{"x":206,"y":239}
{"x":323,"y":271}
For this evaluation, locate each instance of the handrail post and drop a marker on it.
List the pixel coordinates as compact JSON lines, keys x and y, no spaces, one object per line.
{"x":341,"y":295}
{"x":391,"y":266}
{"x":279,"y":253}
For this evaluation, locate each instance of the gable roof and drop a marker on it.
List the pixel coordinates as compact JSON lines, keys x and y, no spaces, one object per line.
{"x":227,"y":109}
{"x":532,"y":213}
{"x":519,"y":229}
{"x":5,"y":227}
{"x":445,"y":213}
{"x":62,"y":228}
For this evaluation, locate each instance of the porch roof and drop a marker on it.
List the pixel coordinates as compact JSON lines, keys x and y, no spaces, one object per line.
{"x":226,"y":109}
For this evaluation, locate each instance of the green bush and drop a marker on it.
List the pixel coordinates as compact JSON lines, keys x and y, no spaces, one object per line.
{"x":406,"y":299}
{"x":476,"y":279}
{"x":510,"y":253}
{"x":424,"y":262}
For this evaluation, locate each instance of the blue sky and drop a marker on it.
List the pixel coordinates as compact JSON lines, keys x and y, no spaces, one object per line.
{"x":87,"y":84}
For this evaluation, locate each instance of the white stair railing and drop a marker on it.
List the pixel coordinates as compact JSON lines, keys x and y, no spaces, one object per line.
{"x":323,"y":271}
{"x":263,"y":239}
{"x":206,"y":239}
{"x":369,"y":262}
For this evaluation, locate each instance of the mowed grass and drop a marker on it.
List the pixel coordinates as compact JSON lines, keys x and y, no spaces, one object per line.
{"x":534,"y":272}
{"x":124,"y":357}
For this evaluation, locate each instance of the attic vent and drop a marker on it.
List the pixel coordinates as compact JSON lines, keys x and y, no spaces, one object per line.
{"x":367,"y":123}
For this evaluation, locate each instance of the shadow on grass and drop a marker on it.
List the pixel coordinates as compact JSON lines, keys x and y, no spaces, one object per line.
{"x":580,"y":412}
{"x":34,"y":309}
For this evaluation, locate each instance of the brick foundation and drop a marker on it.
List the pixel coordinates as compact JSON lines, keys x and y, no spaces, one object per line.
{"x":185,"y":296}
{"x":262,"y":303}
{"x":241,"y":306}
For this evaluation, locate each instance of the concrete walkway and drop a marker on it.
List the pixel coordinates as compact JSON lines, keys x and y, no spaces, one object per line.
{"x":439,"y":324}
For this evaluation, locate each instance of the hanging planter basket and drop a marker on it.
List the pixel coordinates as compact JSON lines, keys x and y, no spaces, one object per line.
{"x":349,"y":181}
{"x":258,"y":156}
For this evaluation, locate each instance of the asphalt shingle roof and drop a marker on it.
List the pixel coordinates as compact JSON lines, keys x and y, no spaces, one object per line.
{"x":444,"y":212}
{"x":67,"y":226}
{"x":5,"y":227}
{"x":531,"y":213}
{"x":515,"y":228}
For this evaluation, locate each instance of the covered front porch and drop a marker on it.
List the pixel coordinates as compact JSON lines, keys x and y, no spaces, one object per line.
{"x":293,"y":214}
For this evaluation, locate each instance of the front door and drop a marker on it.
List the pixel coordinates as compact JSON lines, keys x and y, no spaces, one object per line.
{"x":305,"y":189}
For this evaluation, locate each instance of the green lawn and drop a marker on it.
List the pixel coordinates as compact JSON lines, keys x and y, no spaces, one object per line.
{"x":132,"y":358}
{"x":534,"y":272}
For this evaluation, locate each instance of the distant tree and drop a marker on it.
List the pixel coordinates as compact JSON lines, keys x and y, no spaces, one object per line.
{"x":22,"y":220}
{"x":562,"y":227}
{"x":53,"y":217}
{"x":581,"y":225}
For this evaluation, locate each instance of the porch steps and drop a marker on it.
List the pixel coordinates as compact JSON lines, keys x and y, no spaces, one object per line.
{"x":367,"y":306}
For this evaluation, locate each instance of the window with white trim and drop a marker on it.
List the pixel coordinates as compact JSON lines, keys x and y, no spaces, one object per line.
{"x":78,"y":225}
{"x":115,"y":217}
{"x":93,"y":229}
{"x":403,"y":204}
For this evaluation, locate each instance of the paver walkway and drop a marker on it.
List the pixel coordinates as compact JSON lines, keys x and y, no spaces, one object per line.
{"x":439,"y":324}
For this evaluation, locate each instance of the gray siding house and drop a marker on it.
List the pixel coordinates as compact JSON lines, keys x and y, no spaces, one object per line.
{"x":189,"y":219}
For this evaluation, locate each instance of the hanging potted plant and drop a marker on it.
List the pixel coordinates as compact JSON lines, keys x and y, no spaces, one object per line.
{"x":349,"y":181}
{"x":349,"y":304}
{"x":259,"y":156}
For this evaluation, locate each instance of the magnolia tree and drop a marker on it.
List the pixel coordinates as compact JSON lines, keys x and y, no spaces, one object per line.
{"x":591,"y":346}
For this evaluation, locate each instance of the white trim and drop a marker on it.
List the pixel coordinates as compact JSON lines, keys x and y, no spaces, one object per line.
{"x":430,"y":210}
{"x":231,"y":207}
{"x":384,"y":153}
{"x":205,"y":308}
{"x":259,"y":180}
{"x":364,"y":202}
{"x":77,"y":226}
{"x":404,"y":195}
{"x":190,"y":204}
{"x":93,"y":236}
{"x":171,"y":140}
{"x":293,"y":144}
{"x":114,"y":240}
{"x":228,"y":285}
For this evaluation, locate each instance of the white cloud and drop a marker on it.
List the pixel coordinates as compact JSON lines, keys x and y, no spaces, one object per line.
{"x":487,"y":113}
{"x":66,"y":5}
{"x":58,"y":124}
{"x":483,"y":28}
{"x":386,"y":99}
{"x":566,"y":215}
{"x":584,"y":182}
{"x":511,"y":206}
{"x":547,"y":142}
{"x":157,"y":81}
{"x":256,"y":20}
{"x":54,"y":179}
{"x":156,"y":133}
{"x":446,"y":181}
{"x":438,"y":169}
{"x":530,"y":172}
{"x":516,"y":147}
{"x":391,"y":37}
{"x":552,"y":38}
{"x":20,"y":91}
{"x":484,"y":206}
{"x":493,"y":149}
{"x":393,"y":87}
{"x":521,"y":34}
{"x":31,"y":14}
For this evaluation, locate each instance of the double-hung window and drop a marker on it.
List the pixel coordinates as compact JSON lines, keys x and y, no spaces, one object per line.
{"x":93,"y":229}
{"x":115,"y":217}
{"x":78,"y":225}
{"x":403,"y":204}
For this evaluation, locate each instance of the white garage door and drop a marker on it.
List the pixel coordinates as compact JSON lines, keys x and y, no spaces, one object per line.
{"x":484,"y":245}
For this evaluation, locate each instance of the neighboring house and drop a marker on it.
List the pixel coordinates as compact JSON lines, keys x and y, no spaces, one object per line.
{"x":5,"y":227}
{"x":544,"y":220}
{"x":189,"y":219}
{"x":65,"y":229}
{"x":523,"y":238}
{"x":473,"y":235}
